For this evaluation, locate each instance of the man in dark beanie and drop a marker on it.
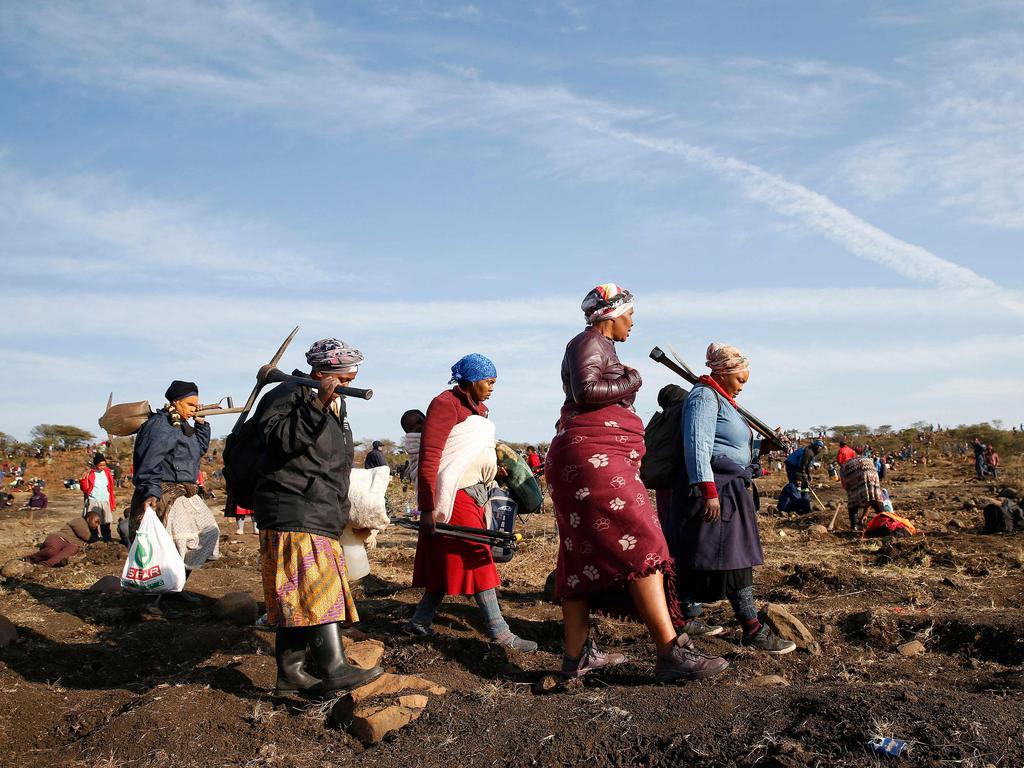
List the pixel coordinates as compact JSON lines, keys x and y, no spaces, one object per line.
{"x":168,"y":450}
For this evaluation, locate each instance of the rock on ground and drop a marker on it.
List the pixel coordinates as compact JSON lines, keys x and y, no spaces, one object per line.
{"x":789,"y":627}
{"x":818,"y":530}
{"x":14,"y":569}
{"x":238,"y":608}
{"x":388,"y":703}
{"x":768,"y":681}
{"x":365,"y":653}
{"x":913,"y":648}
{"x":108,"y":585}
{"x":8,"y":632}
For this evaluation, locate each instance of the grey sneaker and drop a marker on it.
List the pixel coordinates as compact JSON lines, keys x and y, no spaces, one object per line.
{"x":767,"y":641}
{"x":685,"y":662}
{"x":589,"y":660}
{"x":697,"y":627}
{"x":517,"y":643}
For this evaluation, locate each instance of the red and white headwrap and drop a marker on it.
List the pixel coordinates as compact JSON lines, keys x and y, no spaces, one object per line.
{"x":606,"y":302}
{"x":721,"y":358}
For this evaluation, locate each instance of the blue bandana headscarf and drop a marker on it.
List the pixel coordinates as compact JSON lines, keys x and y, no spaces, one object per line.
{"x":473,"y":367}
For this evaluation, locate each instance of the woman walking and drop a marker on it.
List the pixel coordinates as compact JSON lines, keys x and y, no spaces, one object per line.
{"x":712,"y":525}
{"x":612,"y":557}
{"x":166,"y":459}
{"x":457,"y":463}
{"x":301,"y":506}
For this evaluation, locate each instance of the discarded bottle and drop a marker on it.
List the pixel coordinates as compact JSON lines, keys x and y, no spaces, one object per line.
{"x":891,"y":747}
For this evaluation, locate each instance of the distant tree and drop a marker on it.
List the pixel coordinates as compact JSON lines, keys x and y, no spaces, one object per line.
{"x":848,"y":430}
{"x":62,"y":437}
{"x":997,"y":423}
{"x":883,"y":429}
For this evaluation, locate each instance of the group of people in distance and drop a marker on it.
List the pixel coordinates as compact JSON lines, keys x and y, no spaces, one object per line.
{"x":986,"y":460}
{"x":617,"y":557}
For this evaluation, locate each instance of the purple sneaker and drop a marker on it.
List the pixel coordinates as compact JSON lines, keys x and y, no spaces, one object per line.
{"x":589,"y":660}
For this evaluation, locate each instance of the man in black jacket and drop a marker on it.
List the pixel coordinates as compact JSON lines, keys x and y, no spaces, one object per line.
{"x":376,"y":457}
{"x":301,"y":505}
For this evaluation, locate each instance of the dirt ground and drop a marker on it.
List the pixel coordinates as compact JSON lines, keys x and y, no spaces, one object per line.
{"x":99,"y":680}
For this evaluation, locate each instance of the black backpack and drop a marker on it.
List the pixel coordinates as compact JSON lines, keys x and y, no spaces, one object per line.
{"x":242,"y":453}
{"x":1003,"y":518}
{"x":663,"y":462}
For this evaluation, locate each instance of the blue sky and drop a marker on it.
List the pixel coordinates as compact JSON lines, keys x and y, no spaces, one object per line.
{"x":835,"y":187}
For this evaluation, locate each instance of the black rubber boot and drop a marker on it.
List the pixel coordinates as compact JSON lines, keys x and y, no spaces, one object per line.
{"x":336,"y":674}
{"x":290,"y":651}
{"x":105,"y":532}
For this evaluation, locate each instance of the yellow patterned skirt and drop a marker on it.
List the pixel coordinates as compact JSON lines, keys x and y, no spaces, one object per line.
{"x":304,"y":579}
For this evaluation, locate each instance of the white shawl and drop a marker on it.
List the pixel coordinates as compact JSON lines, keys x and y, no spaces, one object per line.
{"x":465,"y":445}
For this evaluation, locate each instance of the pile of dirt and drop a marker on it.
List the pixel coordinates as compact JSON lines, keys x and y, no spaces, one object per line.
{"x":97,"y":678}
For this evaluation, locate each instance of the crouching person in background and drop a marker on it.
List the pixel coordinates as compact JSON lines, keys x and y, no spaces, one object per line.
{"x":301,"y":504}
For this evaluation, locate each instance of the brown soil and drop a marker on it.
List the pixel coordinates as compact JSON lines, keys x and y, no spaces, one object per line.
{"x":100,"y":680}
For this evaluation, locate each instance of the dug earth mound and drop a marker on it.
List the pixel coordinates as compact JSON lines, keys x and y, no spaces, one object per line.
{"x":917,"y":639}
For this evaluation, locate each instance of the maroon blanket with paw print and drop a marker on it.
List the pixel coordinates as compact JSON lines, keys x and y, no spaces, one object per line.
{"x":608,"y":527}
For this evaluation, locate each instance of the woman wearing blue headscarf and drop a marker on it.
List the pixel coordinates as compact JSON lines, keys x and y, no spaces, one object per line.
{"x":457,"y":461}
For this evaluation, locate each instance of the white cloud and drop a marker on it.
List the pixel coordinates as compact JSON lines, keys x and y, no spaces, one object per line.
{"x":95,"y":228}
{"x":761,"y":100}
{"x":961,"y":146}
{"x":245,"y":54}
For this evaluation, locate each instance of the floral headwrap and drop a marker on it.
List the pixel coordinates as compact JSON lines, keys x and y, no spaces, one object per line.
{"x":721,"y":358}
{"x":606,"y":302}
{"x":473,"y":367}
{"x":333,"y":356}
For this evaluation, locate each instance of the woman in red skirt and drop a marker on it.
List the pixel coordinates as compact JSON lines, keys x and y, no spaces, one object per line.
{"x":457,"y":462}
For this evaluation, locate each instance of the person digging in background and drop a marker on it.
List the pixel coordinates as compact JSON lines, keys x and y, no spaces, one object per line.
{"x":799,"y":463}
{"x":859,"y":477}
{"x":98,"y":489}
{"x":991,"y":461}
{"x":38,"y":500}
{"x":712,"y":524}
{"x":612,"y":555}
{"x":58,"y":546}
{"x":301,"y":505}
{"x":457,"y":464}
{"x":980,"y":468}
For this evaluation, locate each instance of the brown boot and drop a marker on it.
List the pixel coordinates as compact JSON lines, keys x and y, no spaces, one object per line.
{"x":684,"y":662}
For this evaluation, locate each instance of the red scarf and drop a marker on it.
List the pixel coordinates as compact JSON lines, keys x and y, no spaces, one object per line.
{"x":708,"y":381}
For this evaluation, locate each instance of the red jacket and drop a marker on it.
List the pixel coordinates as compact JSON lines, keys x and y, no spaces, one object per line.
{"x":845,"y":454}
{"x":88,"y":483}
{"x":446,"y":410}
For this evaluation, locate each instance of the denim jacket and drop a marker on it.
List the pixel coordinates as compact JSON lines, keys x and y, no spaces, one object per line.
{"x":711,"y":428}
{"x":163,"y":454}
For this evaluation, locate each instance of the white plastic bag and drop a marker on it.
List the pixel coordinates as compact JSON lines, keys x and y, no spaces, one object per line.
{"x":366,"y":491}
{"x":153,"y":563}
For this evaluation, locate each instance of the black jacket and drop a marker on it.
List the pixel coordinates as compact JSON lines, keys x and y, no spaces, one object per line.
{"x":374,"y":459}
{"x":304,"y":470}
